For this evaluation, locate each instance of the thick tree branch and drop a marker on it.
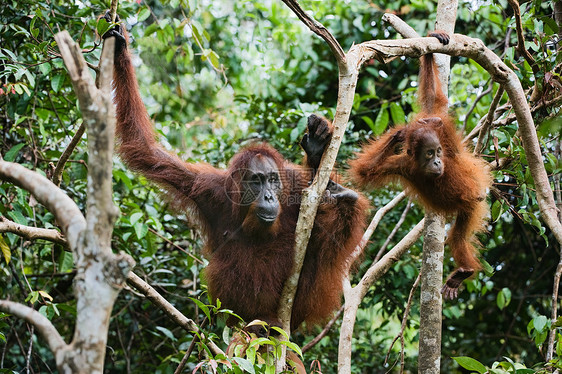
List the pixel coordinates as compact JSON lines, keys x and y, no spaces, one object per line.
{"x":100,"y":273}
{"x":312,"y":195}
{"x":353,"y":296}
{"x":41,"y":323}
{"x":31,"y":233}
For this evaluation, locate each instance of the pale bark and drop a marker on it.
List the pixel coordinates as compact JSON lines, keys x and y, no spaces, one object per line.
{"x":354,"y":295}
{"x":556,"y":284}
{"x":69,"y":217}
{"x":312,"y":195}
{"x":429,"y":359}
{"x":31,"y":233}
{"x":39,"y":321}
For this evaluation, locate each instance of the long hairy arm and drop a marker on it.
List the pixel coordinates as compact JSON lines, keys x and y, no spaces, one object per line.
{"x":138,"y":147}
{"x":381,"y":160}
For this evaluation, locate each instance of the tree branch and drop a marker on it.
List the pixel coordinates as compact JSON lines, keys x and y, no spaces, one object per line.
{"x":461,"y":45}
{"x":485,"y":128}
{"x":41,"y":323}
{"x":318,"y":29}
{"x":65,"y":210}
{"x":100,"y":274}
{"x":353,"y":296}
{"x":31,"y":233}
{"x":520,"y":38}
{"x":56,"y":178}
{"x":174,"y":314}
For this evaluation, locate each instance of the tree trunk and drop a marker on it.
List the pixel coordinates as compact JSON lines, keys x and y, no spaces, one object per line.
{"x":429,"y":360}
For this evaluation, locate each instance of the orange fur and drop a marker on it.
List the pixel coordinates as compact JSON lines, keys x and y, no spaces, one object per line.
{"x":460,"y":190}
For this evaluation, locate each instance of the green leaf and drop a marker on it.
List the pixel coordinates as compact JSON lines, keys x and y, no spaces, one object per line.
{"x":539,"y":323}
{"x":140,"y":229}
{"x":17,"y":217}
{"x":10,"y":156}
{"x":56,"y":82}
{"x":381,"y":122}
{"x":135,"y":217}
{"x":66,"y":262}
{"x":143,"y":14}
{"x":496,"y":210}
{"x":166,"y":332}
{"x":245,"y":364}
{"x":470,"y":364}
{"x":5,"y":249}
{"x":203,"y":307}
{"x":397,"y":113}
{"x":294,"y":347}
{"x":214,"y":59}
{"x":500,"y":300}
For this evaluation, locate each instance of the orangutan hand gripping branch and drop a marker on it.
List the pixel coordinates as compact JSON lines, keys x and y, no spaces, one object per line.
{"x":248,"y":211}
{"x":427,"y":156}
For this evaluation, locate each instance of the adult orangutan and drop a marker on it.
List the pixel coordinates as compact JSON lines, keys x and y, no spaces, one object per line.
{"x":248,"y":212}
{"x":428,"y":157}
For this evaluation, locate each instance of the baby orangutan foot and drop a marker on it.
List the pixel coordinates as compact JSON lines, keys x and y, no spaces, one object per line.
{"x":450,"y":289}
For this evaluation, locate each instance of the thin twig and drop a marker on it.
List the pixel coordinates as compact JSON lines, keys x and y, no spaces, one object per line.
{"x":478,"y":98}
{"x":57,"y":173}
{"x":324,"y":331}
{"x":113,"y":10}
{"x":403,"y":326}
{"x":394,"y":230}
{"x":520,"y":38}
{"x":375,"y":222}
{"x":318,"y":29}
{"x":485,"y":128}
{"x":180,"y":367}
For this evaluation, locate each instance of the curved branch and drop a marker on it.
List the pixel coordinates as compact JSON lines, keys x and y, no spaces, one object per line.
{"x":41,"y":323}
{"x":65,"y":210}
{"x":520,"y":38}
{"x":31,"y":233}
